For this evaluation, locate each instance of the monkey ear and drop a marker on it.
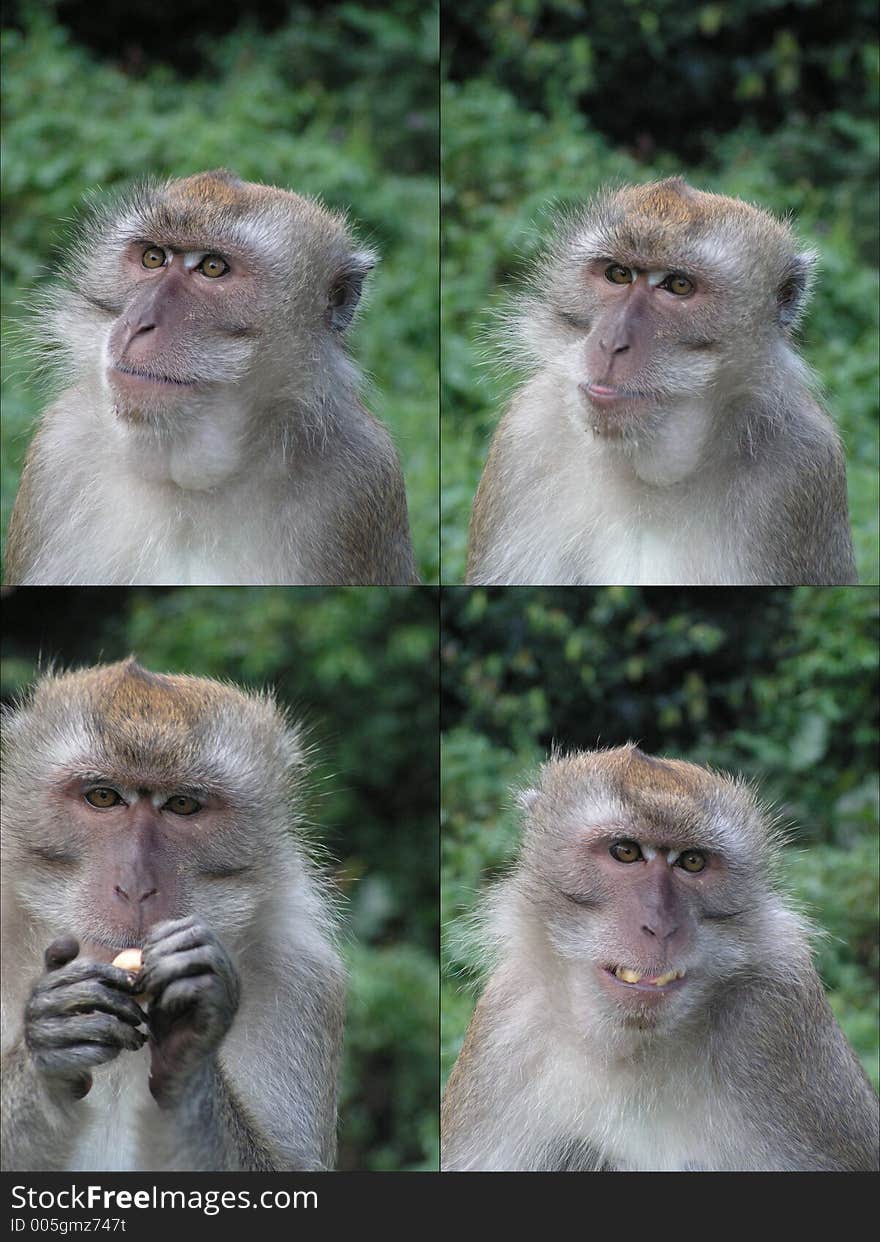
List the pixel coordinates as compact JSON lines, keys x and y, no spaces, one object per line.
{"x":345,"y":291}
{"x":794,"y":288}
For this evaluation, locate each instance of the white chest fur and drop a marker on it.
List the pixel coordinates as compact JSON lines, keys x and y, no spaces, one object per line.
{"x":110,"y":1135}
{"x":588,"y":510}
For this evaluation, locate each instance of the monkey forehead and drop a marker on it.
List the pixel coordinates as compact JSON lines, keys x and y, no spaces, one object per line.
{"x":669,"y":223}
{"x":214,"y":208}
{"x":160,"y":727}
{"x":666,"y":802}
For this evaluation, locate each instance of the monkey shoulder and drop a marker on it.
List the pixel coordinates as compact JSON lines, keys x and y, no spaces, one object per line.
{"x":364,"y":538}
{"x":39,"y":507}
{"x":786,"y":1061}
{"x":509,"y":539}
{"x":801,"y":510}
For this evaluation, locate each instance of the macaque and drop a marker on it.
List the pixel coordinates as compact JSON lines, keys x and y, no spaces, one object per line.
{"x":653,"y":1006}
{"x":210,"y":430}
{"x":667,"y":434}
{"x":159,"y":813}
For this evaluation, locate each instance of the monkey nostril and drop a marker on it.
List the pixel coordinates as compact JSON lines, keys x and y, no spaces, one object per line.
{"x":120,"y":892}
{"x":620,"y":349}
{"x":152,"y":893}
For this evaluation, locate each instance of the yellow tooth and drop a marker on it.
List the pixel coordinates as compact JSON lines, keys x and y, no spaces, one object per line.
{"x":667,"y":978}
{"x":627,"y":975}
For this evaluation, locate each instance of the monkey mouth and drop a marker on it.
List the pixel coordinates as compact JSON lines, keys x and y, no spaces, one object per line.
{"x":642,"y":982}
{"x":607,"y":396}
{"x":128,"y":379}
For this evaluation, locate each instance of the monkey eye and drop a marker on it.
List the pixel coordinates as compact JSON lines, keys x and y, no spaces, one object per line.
{"x":338,"y":295}
{"x":692,"y":861}
{"x":625,"y":851}
{"x":619,"y":275}
{"x":678,"y":284}
{"x":153,"y":256}
{"x":102,"y":797}
{"x":213,"y":266}
{"x":180,"y":804}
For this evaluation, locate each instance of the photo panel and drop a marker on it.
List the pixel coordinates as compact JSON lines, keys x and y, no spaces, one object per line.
{"x":659,"y":879}
{"x":241,"y":784}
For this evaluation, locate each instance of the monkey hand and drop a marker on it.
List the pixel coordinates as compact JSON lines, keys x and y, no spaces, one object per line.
{"x":194,"y":990}
{"x":81,"y":1013}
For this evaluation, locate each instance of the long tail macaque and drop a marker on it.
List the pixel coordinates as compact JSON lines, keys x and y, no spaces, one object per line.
{"x":159,"y":813}
{"x":210,"y":431}
{"x":667,"y":434}
{"x":654,"y":1005}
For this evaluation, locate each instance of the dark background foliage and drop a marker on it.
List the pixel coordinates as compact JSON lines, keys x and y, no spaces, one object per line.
{"x":778,"y":684}
{"x":359,"y":667}
{"x":543,"y":101}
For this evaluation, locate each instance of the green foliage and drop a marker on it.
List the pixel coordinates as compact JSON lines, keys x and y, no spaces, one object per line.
{"x":339,"y":105}
{"x":778,"y":684}
{"x":389,"y":1090}
{"x":359,"y":668}
{"x":712,"y":65}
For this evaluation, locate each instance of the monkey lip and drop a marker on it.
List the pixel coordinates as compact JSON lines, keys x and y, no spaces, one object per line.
{"x":626,"y":977}
{"x":136,"y":381}
{"x":607,"y":395}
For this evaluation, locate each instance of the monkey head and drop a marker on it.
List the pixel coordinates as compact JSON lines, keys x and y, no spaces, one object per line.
{"x":642,"y":874}
{"x":179,"y":292}
{"x":652,"y":295}
{"x":130,"y":796}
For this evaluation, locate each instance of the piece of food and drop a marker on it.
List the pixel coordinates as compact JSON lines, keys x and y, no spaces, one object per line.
{"x":129,"y":959}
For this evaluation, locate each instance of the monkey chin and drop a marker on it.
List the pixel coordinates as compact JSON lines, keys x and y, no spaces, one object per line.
{"x":136,"y":397}
{"x":614,"y":413}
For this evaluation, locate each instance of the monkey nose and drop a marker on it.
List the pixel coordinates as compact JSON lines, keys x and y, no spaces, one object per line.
{"x":660,"y":930}
{"x":138,"y":900}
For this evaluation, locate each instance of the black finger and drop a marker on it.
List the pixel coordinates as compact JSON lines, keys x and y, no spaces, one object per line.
{"x":84,"y":1028}
{"x":198,"y":961}
{"x":84,"y":996}
{"x":184,"y":993}
{"x":87,"y":968}
{"x":176,"y":934}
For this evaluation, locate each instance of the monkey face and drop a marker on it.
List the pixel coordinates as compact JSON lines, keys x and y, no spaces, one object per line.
{"x":145,"y":812}
{"x":639,"y":870}
{"x":189,"y":290}
{"x":652,"y":293}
